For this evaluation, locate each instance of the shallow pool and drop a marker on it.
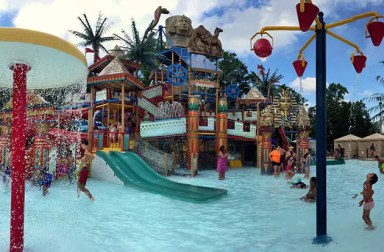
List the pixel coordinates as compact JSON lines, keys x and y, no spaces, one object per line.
{"x":260,"y":213}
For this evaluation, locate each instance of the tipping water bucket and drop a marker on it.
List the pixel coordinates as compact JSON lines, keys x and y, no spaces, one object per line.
{"x":299,"y":67}
{"x":307,"y":16}
{"x":358,"y":62}
{"x":262,"y":48}
{"x":376,"y":32}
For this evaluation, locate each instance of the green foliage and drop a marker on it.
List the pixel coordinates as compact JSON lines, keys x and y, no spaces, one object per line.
{"x":380,"y":78}
{"x":377,"y":109}
{"x":234,"y":71}
{"x":343,"y":117}
{"x":267,"y":82}
{"x":142,"y":50}
{"x":93,"y":37}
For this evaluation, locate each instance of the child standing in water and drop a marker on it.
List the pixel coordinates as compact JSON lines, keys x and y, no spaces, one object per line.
{"x":367,"y":199}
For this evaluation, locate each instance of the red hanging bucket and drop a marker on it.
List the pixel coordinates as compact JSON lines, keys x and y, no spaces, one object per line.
{"x":376,"y":32}
{"x":306,"y":17}
{"x":299,"y":67}
{"x":358,"y":62}
{"x":262,"y":48}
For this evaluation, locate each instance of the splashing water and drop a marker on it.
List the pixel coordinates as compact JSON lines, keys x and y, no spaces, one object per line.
{"x":170,"y":110}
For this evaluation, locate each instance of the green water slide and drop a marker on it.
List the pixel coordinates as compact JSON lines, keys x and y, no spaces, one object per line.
{"x":135,"y":172}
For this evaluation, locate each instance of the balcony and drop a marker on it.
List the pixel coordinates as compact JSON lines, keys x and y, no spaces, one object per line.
{"x":166,"y":127}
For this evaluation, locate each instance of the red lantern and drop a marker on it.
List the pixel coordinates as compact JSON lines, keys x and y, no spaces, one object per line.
{"x":306,"y":15}
{"x":376,"y":32}
{"x":300,"y":66}
{"x":358,"y":62}
{"x":262,"y":48}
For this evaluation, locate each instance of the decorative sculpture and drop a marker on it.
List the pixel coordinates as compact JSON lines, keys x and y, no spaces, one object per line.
{"x":178,"y":30}
{"x":156,"y":19}
{"x":302,"y":120}
{"x":266,"y":118}
{"x":201,"y":41}
{"x":285,"y":103}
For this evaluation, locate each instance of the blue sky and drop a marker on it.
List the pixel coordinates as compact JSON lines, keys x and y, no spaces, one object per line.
{"x":239,"y":19}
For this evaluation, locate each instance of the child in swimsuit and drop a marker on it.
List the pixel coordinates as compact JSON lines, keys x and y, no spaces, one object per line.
{"x":311,"y":195}
{"x":367,"y":199}
{"x":84,"y":170}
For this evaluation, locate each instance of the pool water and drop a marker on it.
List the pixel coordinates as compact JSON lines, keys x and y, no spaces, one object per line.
{"x":260,"y":213}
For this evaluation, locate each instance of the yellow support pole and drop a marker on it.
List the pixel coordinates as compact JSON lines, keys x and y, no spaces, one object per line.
{"x":354,"y":18}
{"x":344,"y":40}
{"x":307,"y":43}
{"x":283,"y":28}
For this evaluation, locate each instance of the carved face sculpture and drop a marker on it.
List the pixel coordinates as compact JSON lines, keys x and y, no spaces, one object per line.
{"x":285,"y":103}
{"x":183,"y":25}
{"x":178,"y":29}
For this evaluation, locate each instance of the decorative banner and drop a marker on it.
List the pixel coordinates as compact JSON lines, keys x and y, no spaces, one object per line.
{"x":204,"y":83}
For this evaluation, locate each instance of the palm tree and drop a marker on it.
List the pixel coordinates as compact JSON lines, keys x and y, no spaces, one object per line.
{"x":377,"y":98}
{"x":377,"y":109}
{"x":141,"y":50}
{"x":380,"y":78}
{"x":265,"y":82}
{"x":94,"y":37}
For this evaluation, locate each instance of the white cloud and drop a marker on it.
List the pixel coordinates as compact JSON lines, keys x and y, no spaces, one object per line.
{"x":308,"y":85}
{"x":239,"y":21}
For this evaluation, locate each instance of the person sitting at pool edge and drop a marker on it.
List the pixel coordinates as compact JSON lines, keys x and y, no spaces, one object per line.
{"x":311,"y":195}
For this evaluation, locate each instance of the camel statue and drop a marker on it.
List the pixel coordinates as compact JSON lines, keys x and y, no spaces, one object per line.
{"x":214,"y":44}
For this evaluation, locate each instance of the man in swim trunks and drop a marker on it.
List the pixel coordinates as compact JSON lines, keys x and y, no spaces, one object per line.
{"x":85,"y":164}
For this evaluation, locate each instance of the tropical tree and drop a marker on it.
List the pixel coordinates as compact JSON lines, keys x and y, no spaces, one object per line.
{"x":234,"y":72}
{"x":266,"y":82}
{"x":380,"y":78}
{"x":377,"y":109}
{"x":141,"y":50}
{"x":343,"y":117}
{"x":94,"y":37}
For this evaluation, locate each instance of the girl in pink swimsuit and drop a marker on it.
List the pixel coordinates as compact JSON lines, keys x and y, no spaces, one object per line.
{"x":367,"y":199}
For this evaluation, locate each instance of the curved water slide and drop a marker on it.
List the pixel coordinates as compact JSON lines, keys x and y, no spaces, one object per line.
{"x":134,"y":172}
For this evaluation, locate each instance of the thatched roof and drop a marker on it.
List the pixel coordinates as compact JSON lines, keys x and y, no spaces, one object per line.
{"x":348,"y":138}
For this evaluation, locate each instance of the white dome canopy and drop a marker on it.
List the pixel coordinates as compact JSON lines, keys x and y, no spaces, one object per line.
{"x":54,"y":62}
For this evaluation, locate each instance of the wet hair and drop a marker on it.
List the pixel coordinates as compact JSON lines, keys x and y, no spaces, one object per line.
{"x":374,"y":179}
{"x":222,"y":149}
{"x":84,"y":141}
{"x":313,"y":179}
{"x":376,"y":156}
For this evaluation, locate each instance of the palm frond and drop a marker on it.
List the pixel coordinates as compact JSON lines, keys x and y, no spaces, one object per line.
{"x":86,"y":25}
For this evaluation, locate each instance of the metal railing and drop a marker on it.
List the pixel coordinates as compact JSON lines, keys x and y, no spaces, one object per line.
{"x":159,"y":160}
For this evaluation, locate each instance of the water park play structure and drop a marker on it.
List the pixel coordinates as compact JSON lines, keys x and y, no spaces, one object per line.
{"x":185,"y":113}
{"x":180,"y":120}
{"x":308,"y":13}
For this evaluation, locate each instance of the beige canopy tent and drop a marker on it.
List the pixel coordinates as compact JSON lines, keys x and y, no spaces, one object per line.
{"x":350,"y":144}
{"x":365,"y":143}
